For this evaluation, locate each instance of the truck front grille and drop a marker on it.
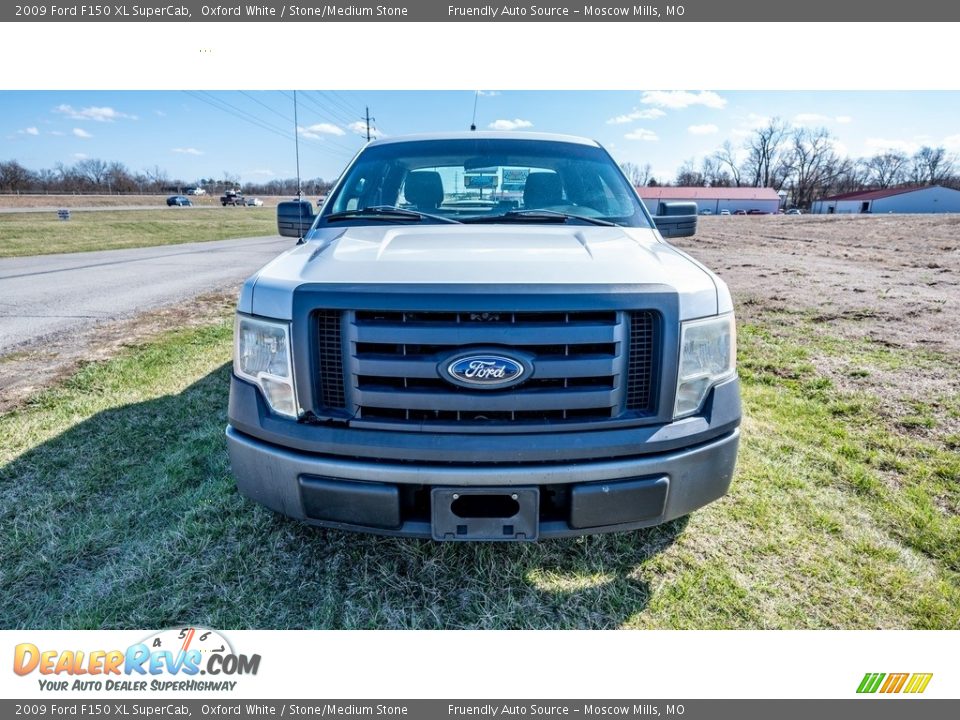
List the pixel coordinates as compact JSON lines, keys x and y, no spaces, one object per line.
{"x":590,"y":366}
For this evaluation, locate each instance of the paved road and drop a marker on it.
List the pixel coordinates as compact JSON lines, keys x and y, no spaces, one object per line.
{"x":49,"y":295}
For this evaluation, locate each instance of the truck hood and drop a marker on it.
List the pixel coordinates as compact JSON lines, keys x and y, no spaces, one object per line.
{"x":481,"y":254}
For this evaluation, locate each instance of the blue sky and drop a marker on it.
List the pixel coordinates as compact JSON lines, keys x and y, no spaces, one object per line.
{"x":201,"y":134}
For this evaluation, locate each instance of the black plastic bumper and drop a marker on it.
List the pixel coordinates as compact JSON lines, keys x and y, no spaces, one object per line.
{"x":589,"y":482}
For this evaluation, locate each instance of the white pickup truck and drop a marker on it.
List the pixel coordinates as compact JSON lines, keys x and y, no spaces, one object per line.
{"x":484,"y":336}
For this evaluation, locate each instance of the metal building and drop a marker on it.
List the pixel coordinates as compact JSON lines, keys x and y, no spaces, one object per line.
{"x":713,"y":199}
{"x":929,"y":199}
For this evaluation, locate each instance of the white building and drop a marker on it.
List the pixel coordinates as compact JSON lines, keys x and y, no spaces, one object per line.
{"x":714,"y":199}
{"x":930,"y":199}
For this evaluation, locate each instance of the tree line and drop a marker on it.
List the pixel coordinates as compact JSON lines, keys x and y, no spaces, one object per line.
{"x":95,"y":176}
{"x":805,"y":164}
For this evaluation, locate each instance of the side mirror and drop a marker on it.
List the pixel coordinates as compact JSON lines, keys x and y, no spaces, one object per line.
{"x":676,"y":219}
{"x":294,"y":218}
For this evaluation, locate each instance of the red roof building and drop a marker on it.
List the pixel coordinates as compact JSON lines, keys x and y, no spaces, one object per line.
{"x":713,"y":199}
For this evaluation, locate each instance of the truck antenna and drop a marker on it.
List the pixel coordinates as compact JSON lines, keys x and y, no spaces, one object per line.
{"x":473,"y":122}
{"x":296,"y":141}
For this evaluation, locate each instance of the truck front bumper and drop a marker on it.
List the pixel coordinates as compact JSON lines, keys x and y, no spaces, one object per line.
{"x":584,"y":483}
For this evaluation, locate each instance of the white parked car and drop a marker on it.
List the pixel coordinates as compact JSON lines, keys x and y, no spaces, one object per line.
{"x":252,"y":202}
{"x":551,"y":367}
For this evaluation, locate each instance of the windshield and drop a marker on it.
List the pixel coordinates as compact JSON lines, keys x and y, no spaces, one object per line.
{"x":484,"y":180}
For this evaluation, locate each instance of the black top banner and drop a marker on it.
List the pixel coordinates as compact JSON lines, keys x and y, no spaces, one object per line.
{"x":445,"y":11}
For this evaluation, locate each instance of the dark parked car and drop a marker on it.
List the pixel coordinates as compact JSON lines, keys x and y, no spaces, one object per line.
{"x":754,"y":211}
{"x":739,"y":212}
{"x":179,"y":200}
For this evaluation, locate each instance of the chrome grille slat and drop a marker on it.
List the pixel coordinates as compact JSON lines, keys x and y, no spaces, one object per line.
{"x":390,"y":365}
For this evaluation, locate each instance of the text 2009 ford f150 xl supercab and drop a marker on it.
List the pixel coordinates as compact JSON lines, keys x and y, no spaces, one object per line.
{"x":484,"y":336}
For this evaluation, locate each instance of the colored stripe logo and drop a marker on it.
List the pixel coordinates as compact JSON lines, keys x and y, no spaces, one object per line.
{"x":894,"y":683}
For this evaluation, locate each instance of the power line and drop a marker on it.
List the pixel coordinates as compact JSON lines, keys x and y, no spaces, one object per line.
{"x":263,"y":104}
{"x":329,"y":139}
{"x":330,"y":109}
{"x":348,"y":110}
{"x":224,"y":106}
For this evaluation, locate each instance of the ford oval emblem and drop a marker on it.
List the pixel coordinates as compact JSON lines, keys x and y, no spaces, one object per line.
{"x":482,"y":370}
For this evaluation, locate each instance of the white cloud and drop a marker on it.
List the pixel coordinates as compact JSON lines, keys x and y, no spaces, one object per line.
{"x":812,"y":119}
{"x":748,"y":124}
{"x":839,"y":148}
{"x":807,"y":119}
{"x":879,"y":145}
{"x":80,"y":156}
{"x":515,"y":124}
{"x":708,"y":129}
{"x":649,"y":114}
{"x":951,"y":142}
{"x":318,"y":130}
{"x":81,"y":133}
{"x":29,"y":131}
{"x":488,"y":93}
{"x":642,"y":134}
{"x":187,"y":151}
{"x":358,"y":126}
{"x":755,"y":122}
{"x":679,"y":99}
{"x":57,"y":133}
{"x":99,"y":114}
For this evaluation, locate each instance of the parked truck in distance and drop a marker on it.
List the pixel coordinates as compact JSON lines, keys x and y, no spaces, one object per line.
{"x":536,"y":362}
{"x":232,"y":197}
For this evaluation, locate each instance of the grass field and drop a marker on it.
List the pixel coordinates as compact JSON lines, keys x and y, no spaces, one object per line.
{"x":79,"y":202}
{"x":42,"y":233}
{"x":119,"y":510}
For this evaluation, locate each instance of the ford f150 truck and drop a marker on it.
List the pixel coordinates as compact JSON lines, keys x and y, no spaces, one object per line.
{"x":484,"y":336}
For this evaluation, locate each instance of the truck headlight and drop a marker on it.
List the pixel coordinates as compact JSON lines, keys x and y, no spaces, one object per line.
{"x":262,"y":356}
{"x":708,"y":354}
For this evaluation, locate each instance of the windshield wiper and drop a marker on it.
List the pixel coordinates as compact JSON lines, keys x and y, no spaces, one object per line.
{"x":386,"y":213}
{"x":540,"y":215}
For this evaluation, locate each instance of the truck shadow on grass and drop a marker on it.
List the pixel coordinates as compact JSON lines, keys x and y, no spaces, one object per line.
{"x":130,"y":519}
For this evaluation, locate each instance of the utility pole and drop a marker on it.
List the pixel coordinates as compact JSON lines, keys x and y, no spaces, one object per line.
{"x":367,"y":118}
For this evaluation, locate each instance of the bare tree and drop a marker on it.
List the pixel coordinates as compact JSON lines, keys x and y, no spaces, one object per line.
{"x":931,"y":166}
{"x":156,"y":177}
{"x":812,"y":164}
{"x":887,"y":169}
{"x":689,"y":176}
{"x":14,"y":177}
{"x":852,"y":175}
{"x":93,"y":170}
{"x":765,"y":155}
{"x":714,"y":174}
{"x":727,"y":157}
{"x":636,"y":174}
{"x":46,"y":179}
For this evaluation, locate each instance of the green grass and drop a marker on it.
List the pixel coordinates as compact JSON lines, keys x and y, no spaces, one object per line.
{"x":36,"y":233}
{"x":118,"y":510}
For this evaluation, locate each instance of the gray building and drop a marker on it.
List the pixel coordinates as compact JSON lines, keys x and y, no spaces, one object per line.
{"x":929,"y":199}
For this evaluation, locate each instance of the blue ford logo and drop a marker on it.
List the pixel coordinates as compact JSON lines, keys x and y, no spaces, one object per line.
{"x":483,"y":370}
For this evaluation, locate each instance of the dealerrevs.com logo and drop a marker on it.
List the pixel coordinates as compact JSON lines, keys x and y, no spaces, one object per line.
{"x":168,"y":660}
{"x":911,"y":683}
